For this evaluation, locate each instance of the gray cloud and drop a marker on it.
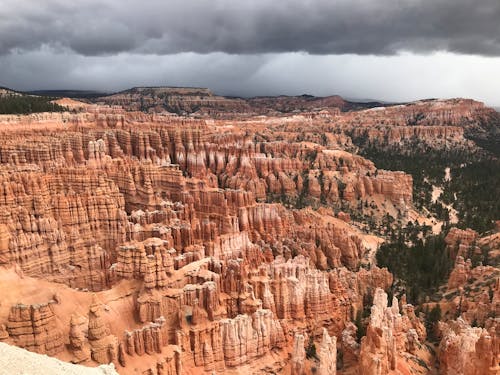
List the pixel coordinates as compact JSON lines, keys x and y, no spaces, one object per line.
{"x":392,"y":50}
{"x":380,"y":27}
{"x":401,"y":77}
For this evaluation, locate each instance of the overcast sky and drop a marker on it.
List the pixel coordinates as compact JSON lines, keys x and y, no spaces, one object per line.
{"x":394,"y":50}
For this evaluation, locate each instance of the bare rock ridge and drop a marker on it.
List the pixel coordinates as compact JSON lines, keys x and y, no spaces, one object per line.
{"x":96,"y":191}
{"x":299,"y":355}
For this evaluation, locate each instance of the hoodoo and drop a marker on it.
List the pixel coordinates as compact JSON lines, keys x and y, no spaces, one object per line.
{"x":161,"y":243}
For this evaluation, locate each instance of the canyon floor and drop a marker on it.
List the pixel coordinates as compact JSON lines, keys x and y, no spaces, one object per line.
{"x":170,"y":231}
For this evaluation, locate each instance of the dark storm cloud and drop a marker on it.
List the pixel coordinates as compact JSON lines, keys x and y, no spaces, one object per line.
{"x":401,"y":77}
{"x":382,"y":27}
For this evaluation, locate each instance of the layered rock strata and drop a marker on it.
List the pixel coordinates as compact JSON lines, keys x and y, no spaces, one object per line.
{"x":209,"y":243}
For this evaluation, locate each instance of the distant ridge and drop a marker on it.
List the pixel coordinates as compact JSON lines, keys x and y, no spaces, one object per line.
{"x":343,"y":103}
{"x":166,"y":90}
{"x":164,"y":87}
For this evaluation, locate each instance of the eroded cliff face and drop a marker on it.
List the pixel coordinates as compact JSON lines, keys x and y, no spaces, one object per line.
{"x":177,"y":225}
{"x":433,"y":123}
{"x":439,"y":124}
{"x":71,"y":198}
{"x":172,"y":245}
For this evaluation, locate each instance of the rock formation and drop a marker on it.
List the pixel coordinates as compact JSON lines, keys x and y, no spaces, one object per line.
{"x":163,"y":243}
{"x":34,"y":327}
{"x":77,"y":339}
{"x":389,"y":336}
{"x":327,"y":354}
{"x":469,"y":351}
{"x":103,"y":345}
{"x":472,"y":290}
{"x":298,"y":355}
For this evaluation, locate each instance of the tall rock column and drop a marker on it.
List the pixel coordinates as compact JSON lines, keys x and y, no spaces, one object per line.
{"x":378,"y":347}
{"x":298,"y":355}
{"x":327,"y":355}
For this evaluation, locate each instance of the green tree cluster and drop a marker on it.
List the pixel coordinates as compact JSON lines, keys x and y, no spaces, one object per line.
{"x":473,"y":190}
{"x":26,"y":104}
{"x":422,"y":266}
